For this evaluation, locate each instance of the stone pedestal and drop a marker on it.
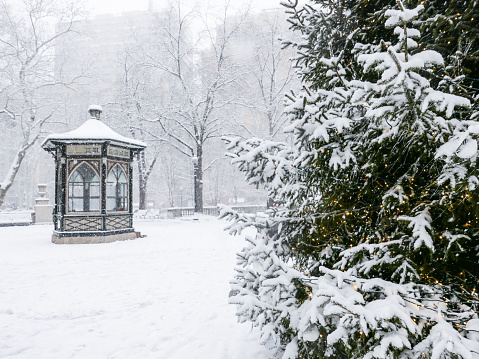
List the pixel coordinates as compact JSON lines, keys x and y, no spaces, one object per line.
{"x":43,"y":208}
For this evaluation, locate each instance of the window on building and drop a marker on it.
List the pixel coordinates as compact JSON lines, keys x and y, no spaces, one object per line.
{"x":84,"y":190}
{"x":116,"y":191}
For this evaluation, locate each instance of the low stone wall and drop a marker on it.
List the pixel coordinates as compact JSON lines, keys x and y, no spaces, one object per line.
{"x":17,"y":218}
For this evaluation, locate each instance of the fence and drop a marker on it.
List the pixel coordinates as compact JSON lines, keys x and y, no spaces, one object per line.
{"x":211,"y":210}
{"x":25,"y":218}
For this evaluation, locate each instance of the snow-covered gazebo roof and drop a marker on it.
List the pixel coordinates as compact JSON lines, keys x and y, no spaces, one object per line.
{"x":93,"y":130}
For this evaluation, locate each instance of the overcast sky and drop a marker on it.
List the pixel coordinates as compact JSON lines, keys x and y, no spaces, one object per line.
{"x":117,"y":6}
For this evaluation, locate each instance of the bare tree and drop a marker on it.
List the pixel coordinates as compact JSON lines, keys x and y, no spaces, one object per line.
{"x":26,"y":52}
{"x":200,"y":85}
{"x":137,"y":94}
{"x":268,"y":76}
{"x":269,"y":72}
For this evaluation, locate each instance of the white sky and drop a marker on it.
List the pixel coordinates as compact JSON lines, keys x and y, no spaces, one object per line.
{"x":117,"y":6}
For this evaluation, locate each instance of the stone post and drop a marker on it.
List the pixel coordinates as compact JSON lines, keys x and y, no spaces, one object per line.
{"x":43,"y":208}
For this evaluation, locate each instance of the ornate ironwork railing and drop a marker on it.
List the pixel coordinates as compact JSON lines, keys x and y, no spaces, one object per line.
{"x":92,"y":222}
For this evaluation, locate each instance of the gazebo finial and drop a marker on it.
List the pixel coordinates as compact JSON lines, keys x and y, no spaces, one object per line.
{"x":95,"y":111}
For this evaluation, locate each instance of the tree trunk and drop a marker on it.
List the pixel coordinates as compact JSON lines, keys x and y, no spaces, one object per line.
{"x":269,"y":201}
{"x":142,"y":204}
{"x":3,"y":192}
{"x":142,"y":179}
{"x":12,"y":173}
{"x":198,"y":179}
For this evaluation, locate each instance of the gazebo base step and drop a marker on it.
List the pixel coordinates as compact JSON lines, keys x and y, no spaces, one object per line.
{"x":95,"y":239}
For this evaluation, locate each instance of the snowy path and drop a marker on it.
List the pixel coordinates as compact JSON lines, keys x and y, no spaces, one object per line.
{"x":163,"y":296}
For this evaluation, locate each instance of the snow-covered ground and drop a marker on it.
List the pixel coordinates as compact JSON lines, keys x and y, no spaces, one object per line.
{"x":163,"y":296}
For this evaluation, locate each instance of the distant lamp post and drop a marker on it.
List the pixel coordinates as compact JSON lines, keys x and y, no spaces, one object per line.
{"x":93,"y":183}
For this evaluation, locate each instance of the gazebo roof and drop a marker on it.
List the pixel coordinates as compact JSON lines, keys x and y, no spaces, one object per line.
{"x":92,"y":131}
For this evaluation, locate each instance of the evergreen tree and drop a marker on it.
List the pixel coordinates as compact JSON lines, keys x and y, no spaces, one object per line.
{"x":450,"y":27}
{"x":373,"y":249}
{"x":331,"y":27}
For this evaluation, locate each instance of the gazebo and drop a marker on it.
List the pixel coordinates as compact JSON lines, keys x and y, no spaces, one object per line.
{"x":93,"y":183}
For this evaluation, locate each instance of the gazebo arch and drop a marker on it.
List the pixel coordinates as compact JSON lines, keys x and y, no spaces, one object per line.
{"x":83,"y":189}
{"x":117,"y":190}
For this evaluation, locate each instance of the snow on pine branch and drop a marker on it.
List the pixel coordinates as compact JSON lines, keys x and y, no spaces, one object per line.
{"x":264,"y":162}
{"x":460,"y":149}
{"x":397,"y":316}
{"x":421,"y":225}
{"x":452,"y":173}
{"x":238,"y":221}
{"x":401,"y":87}
{"x":443,"y":101}
{"x":463,"y":142}
{"x":263,"y":283}
{"x":321,"y":116}
{"x":368,"y":256}
{"x":396,"y":192}
{"x":338,"y":301}
{"x":442,"y":339}
{"x":401,"y":16}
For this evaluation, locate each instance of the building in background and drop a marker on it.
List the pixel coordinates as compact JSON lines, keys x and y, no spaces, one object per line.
{"x":116,"y":58}
{"x":98,"y":53}
{"x":109,"y":57}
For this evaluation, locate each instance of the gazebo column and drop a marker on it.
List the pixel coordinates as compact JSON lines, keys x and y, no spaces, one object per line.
{"x":104,"y":163}
{"x":63,"y":192}
{"x":130,"y":191}
{"x":55,"y":207}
